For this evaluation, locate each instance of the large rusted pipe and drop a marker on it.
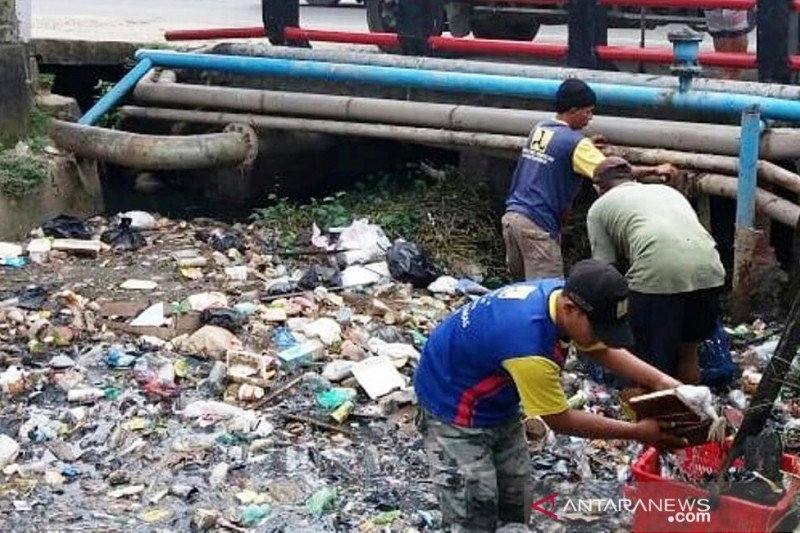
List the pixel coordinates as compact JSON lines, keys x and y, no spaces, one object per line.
{"x":441,"y":137}
{"x":709,"y":138}
{"x":155,"y":152}
{"x":767,"y":171}
{"x":774,"y":206}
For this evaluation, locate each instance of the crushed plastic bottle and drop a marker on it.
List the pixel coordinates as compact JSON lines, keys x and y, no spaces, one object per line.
{"x":253,"y":514}
{"x":119,"y":359}
{"x":335,"y":397}
{"x":321,"y":501}
{"x":283,"y":338}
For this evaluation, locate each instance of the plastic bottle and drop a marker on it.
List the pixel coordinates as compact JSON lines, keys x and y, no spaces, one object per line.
{"x":85,"y":395}
{"x":283,"y":338}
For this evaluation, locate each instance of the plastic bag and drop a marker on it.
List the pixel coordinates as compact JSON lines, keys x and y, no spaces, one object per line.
{"x":222,"y":242}
{"x":362,"y":242}
{"x":716,"y":365}
{"x":223,"y":318}
{"x":320,"y":276}
{"x":409,"y":263}
{"x":66,"y":227}
{"x":32,"y":297}
{"x":140,"y":219}
{"x":124,"y":236}
{"x":333,"y":398}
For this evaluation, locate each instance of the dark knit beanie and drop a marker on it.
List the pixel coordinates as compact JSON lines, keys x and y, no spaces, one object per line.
{"x":574,"y":93}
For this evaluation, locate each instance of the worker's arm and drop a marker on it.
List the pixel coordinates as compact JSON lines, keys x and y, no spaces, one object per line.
{"x":585,"y":158}
{"x":625,"y":364}
{"x":538,"y":383}
{"x":583,"y":424}
{"x":599,"y":239}
{"x":664,"y":173}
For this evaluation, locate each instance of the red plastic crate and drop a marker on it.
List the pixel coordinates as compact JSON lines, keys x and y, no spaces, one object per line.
{"x":731,"y":515}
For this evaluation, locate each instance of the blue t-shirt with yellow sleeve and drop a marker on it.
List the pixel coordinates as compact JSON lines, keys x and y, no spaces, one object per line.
{"x":492,"y":354}
{"x":553,"y":163}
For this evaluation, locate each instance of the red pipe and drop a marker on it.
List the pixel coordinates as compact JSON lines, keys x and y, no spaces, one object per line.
{"x":479,"y":46}
{"x":794,"y":62}
{"x":664,"y":55}
{"x":796,"y":5}
{"x":521,"y":2}
{"x":697,"y":4}
{"x":349,"y":37}
{"x":215,"y":33}
{"x":497,"y":47}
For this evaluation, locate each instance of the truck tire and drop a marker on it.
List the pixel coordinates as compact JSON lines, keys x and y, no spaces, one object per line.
{"x":323,"y":3}
{"x":502,"y":28}
{"x":382,"y":16}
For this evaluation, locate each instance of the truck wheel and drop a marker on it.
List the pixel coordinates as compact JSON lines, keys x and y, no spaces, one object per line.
{"x":498,"y":28}
{"x":382,"y":18}
{"x":323,"y":3}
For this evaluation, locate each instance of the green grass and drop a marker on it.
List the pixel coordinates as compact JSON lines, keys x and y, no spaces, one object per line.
{"x":452,"y":219}
{"x":22,"y":171}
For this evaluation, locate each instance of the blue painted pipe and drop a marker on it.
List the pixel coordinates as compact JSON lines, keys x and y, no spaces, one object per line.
{"x":748,"y":168}
{"x":117,"y":93}
{"x":544,"y":89}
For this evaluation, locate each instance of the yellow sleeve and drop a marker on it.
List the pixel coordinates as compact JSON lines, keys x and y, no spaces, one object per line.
{"x":538,"y":384}
{"x":586,"y":157}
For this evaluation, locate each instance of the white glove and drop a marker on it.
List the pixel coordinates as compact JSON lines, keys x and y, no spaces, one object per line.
{"x":701,"y":402}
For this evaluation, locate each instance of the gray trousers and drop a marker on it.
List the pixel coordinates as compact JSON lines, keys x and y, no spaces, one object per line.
{"x":481,"y":475}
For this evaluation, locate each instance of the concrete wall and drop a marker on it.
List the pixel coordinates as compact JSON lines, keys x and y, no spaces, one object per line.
{"x":72,"y":188}
{"x":15,"y":92}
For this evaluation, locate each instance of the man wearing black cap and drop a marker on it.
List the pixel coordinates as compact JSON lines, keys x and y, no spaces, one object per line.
{"x":674,"y":270}
{"x":505,"y":349}
{"x":553,"y":164}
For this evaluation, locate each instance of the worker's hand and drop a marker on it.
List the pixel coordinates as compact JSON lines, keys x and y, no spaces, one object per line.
{"x":667,"y":171}
{"x":599,"y":141}
{"x":656,"y":433}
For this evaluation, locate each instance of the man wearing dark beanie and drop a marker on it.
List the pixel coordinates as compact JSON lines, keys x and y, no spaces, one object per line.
{"x":556,"y":158}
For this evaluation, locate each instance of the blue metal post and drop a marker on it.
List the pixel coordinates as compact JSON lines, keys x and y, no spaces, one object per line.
{"x":543,"y":89}
{"x":112,"y":97}
{"x":748,"y":168}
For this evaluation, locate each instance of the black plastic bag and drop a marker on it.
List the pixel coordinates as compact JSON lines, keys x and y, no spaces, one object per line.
{"x":32,"y":297}
{"x":124,"y":237}
{"x":223,"y":318}
{"x":281,"y":287}
{"x":320,"y":276}
{"x":66,"y":227}
{"x":222,"y":242}
{"x":409,"y":263}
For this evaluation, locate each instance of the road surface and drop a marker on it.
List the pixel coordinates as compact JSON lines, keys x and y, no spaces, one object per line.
{"x":146,"y":20}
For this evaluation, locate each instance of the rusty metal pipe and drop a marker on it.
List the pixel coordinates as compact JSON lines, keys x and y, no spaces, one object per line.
{"x":710,"y":138}
{"x":511,"y":144}
{"x":767,"y":171}
{"x":774,"y":206}
{"x":153,"y":152}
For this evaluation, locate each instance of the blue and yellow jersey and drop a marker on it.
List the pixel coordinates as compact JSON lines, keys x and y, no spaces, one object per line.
{"x":493,"y":354}
{"x":549,"y":172}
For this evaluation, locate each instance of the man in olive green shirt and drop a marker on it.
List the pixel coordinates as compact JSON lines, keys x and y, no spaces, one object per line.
{"x":674,"y":271}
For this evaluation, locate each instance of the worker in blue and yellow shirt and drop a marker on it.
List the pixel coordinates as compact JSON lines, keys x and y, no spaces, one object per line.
{"x":555,"y":161}
{"x":507,"y":349}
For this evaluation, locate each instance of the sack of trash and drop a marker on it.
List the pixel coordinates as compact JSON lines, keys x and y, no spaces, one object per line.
{"x":124,"y":236}
{"x":409,"y":263}
{"x":66,"y":227}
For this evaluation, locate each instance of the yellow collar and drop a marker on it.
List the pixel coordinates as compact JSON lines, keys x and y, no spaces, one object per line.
{"x":551,"y":304}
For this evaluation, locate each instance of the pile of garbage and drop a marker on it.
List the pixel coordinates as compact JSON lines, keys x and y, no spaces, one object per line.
{"x":160,"y":372}
{"x":157,"y":373}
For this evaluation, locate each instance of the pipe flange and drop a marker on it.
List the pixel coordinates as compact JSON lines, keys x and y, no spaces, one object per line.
{"x":250,"y":138}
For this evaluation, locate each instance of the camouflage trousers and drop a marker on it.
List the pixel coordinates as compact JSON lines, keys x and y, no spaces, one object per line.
{"x":481,"y":475}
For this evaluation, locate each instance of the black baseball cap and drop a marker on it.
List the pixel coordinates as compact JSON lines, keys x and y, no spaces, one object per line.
{"x":602,"y":293}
